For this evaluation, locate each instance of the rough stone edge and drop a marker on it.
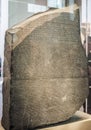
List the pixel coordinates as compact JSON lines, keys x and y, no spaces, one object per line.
{"x":6,"y":86}
{"x":21,"y":30}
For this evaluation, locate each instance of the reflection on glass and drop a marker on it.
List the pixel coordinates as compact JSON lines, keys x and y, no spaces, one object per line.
{"x":20,"y":10}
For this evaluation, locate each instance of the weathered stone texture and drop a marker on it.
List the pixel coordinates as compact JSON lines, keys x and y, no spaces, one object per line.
{"x":48,"y":70}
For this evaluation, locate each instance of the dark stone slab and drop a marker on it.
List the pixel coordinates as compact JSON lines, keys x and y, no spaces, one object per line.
{"x":48,"y":70}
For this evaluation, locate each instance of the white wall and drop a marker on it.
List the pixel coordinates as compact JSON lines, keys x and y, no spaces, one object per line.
{"x":3,"y":27}
{"x":86,"y":11}
{"x":3,"y":23}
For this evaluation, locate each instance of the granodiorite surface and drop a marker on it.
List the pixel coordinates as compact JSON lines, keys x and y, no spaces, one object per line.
{"x":48,"y":70}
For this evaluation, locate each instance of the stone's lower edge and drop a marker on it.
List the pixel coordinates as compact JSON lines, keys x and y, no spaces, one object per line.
{"x":82,"y":120}
{"x":39,"y":102}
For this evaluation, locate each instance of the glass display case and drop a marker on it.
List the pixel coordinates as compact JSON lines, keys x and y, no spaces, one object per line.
{"x":16,"y":11}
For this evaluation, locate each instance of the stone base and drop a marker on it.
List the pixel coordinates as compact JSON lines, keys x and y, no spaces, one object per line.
{"x":79,"y":121}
